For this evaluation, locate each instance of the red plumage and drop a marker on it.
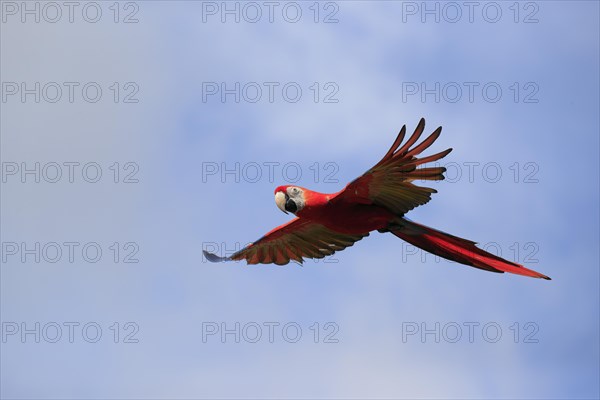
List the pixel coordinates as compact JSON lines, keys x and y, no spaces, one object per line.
{"x":377,"y":200}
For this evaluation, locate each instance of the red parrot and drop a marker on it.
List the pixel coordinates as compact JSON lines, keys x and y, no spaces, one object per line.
{"x":377,"y":200}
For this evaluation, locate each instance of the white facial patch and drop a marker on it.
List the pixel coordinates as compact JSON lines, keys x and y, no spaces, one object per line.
{"x":297,"y":195}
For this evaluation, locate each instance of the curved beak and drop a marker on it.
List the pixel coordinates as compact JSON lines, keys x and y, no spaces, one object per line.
{"x":280,"y":200}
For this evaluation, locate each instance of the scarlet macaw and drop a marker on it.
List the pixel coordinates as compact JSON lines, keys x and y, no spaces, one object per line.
{"x":377,"y":200}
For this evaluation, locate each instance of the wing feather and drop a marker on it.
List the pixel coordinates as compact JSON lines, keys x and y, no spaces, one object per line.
{"x":389,"y":182}
{"x":295,"y":240}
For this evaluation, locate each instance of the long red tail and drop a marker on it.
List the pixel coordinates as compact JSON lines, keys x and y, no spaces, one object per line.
{"x":457,"y":249}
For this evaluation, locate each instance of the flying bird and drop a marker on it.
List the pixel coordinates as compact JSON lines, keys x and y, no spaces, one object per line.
{"x":376,"y":201}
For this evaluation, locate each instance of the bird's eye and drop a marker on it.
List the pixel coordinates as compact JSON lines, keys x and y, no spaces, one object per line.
{"x":295,"y":190}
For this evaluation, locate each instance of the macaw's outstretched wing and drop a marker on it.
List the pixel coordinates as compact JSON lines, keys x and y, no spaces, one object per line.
{"x":294,"y":240}
{"x":389,"y":183}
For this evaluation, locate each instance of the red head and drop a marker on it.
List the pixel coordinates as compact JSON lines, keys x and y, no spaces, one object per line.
{"x":290,"y":198}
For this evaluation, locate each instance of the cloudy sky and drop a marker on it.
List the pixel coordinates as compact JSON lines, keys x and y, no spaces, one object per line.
{"x":136,"y":134}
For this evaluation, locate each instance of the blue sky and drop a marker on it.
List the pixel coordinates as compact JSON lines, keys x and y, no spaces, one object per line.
{"x":540,"y":136}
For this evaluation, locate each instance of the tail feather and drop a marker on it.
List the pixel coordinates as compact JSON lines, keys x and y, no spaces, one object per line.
{"x":457,"y":249}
